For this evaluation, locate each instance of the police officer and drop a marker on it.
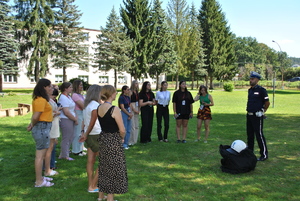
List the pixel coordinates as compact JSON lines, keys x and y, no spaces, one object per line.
{"x":257,"y":105}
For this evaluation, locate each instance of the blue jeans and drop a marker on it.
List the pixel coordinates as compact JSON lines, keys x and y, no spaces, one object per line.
{"x":127,"y":125}
{"x":52,"y":161}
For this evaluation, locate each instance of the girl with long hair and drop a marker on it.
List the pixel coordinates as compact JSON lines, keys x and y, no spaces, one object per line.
{"x":91,"y":132}
{"x":162,"y":100}
{"x":68,"y":119}
{"x":204,"y":112}
{"x":40,"y":125}
{"x":183,"y":110}
{"x":146,"y":102}
{"x":126,"y":111}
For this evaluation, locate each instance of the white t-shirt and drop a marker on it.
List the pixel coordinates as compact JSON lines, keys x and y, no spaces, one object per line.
{"x":87,"y":113}
{"x":66,"y":101}
{"x":163,"y":97}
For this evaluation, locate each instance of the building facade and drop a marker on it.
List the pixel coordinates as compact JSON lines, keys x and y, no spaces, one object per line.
{"x":92,"y":76}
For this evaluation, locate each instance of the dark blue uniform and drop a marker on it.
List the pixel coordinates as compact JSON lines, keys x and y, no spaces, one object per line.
{"x":257,"y":96}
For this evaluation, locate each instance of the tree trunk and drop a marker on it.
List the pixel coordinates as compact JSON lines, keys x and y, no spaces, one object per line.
{"x":64,"y":74}
{"x":1,"y":83}
{"x":157,"y":81}
{"x":176,"y":84}
{"x":193,"y":78}
{"x":37,"y":71}
{"x":211,"y":82}
{"x":116,"y":78}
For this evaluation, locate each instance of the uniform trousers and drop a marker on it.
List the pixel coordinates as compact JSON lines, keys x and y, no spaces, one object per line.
{"x":255,"y":129}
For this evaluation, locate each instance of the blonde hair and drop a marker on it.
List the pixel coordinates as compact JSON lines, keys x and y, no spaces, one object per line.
{"x":107,"y":91}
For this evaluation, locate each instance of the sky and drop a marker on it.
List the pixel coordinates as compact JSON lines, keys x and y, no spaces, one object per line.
{"x":266,"y":20}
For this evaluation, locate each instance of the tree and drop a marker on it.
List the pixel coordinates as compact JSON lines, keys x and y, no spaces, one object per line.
{"x":67,"y":39}
{"x":177,"y":20}
{"x":8,"y":45}
{"x":136,"y":16}
{"x":36,"y":18}
{"x":163,"y":56}
{"x":285,"y":63}
{"x":217,"y":41}
{"x":113,"y":48}
{"x":195,"y":52}
{"x":254,"y":56}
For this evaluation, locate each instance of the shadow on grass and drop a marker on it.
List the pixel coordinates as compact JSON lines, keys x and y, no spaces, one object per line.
{"x":167,"y":171}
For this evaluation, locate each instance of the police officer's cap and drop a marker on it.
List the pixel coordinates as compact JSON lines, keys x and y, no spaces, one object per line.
{"x":255,"y":75}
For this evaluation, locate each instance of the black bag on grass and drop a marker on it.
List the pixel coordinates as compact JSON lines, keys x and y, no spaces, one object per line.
{"x":236,"y":163}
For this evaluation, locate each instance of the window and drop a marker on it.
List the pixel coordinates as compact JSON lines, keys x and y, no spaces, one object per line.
{"x":86,"y":35}
{"x":85,"y":78}
{"x":10,"y":78}
{"x":58,"y":78}
{"x":32,"y":79}
{"x":122,"y":80}
{"x":102,"y":67}
{"x":103,"y":79}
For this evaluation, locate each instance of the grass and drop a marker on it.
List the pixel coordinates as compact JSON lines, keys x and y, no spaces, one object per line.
{"x":170,"y":171}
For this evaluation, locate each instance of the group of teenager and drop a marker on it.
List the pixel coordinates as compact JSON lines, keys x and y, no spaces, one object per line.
{"x":91,"y":122}
{"x":145,"y":100}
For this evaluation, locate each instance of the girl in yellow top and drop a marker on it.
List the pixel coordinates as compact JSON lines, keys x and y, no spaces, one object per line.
{"x":41,"y":122}
{"x":204,"y":112}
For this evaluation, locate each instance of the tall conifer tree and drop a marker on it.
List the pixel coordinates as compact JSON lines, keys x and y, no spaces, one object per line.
{"x":36,"y":17}
{"x":136,"y":16}
{"x":8,"y":45}
{"x":217,"y":40}
{"x":195,"y":52}
{"x":114,"y":46}
{"x":68,"y":38}
{"x":178,"y":12}
{"x":164,"y":56}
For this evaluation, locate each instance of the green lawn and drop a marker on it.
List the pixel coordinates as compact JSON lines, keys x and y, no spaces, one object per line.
{"x":170,"y":171}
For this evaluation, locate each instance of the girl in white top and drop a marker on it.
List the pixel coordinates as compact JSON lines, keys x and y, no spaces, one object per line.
{"x":163,"y":98}
{"x":90,"y":133}
{"x":68,"y":119}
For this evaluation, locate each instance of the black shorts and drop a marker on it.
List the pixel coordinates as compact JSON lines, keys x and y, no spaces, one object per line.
{"x":183,"y":116}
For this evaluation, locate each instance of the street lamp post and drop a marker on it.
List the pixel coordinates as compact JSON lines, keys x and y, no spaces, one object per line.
{"x":274,"y":78}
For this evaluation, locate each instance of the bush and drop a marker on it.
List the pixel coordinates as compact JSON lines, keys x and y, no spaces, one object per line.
{"x":228,"y":87}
